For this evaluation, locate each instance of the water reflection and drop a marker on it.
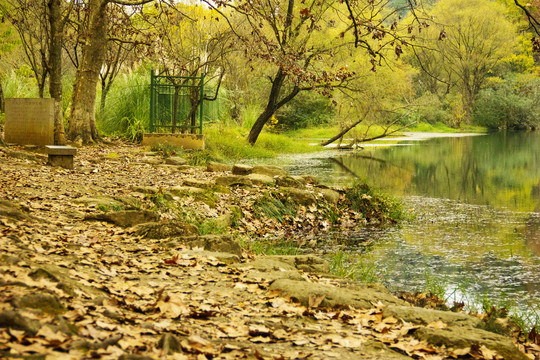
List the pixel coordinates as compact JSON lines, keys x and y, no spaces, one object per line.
{"x":477,"y":201}
{"x":501,"y":169}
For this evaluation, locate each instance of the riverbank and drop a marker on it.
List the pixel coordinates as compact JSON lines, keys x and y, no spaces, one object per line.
{"x":132,"y":255}
{"x":228,"y":143}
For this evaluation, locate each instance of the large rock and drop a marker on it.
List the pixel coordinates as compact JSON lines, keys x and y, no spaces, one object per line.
{"x":165,"y":229}
{"x":46,"y":303}
{"x":423,"y":316}
{"x":330,"y":195}
{"x":240,"y":169}
{"x":261,"y":180}
{"x":302,"y":197}
{"x":98,"y":201}
{"x":308,"y":263}
{"x":12,"y":320}
{"x":269,"y":268}
{"x":459,"y":338}
{"x":218,"y":243}
{"x":153,"y":161}
{"x":150,"y":190}
{"x":269,"y":170}
{"x":126,"y":218}
{"x":14,"y":211}
{"x":197,"y":183}
{"x":184,"y":190}
{"x":289,"y":181}
{"x":361,"y":297}
{"x":175,"y":160}
{"x":217,"y":167}
{"x":232,"y":180}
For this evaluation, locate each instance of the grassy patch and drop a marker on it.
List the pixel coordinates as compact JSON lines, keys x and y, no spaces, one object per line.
{"x":374,"y":205}
{"x":229,"y":143}
{"x":351,"y":266}
{"x":210,"y":226}
{"x":279,"y":247}
{"x":443,"y":128}
{"x":270,"y":206}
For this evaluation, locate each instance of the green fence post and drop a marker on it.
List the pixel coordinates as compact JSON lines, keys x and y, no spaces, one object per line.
{"x":152,"y":101}
{"x":201,"y":105}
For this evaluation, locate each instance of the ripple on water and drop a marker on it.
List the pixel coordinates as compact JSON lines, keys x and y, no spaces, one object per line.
{"x":472,"y":251}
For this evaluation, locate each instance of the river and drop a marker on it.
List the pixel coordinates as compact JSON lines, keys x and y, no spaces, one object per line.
{"x":476,"y":200}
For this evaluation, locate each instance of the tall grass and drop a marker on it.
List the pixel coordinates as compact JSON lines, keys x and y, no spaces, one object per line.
{"x":127,"y":104}
{"x":17,"y":86}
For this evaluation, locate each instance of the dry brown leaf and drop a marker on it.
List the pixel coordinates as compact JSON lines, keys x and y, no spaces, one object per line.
{"x":316,"y":300}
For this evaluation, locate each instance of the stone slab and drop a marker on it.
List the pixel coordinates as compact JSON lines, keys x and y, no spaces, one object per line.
{"x":186,"y":141}
{"x":61,"y":150}
{"x":29,"y":121}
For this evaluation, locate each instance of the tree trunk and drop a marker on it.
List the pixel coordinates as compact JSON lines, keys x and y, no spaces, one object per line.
{"x":55,"y":68}
{"x":175,"y":108}
{"x":82,"y":125}
{"x":270,"y":109}
{"x":2,"y":108}
{"x":259,"y":124}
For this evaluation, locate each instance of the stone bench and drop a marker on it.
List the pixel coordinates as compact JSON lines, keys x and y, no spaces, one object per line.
{"x":61,"y":155}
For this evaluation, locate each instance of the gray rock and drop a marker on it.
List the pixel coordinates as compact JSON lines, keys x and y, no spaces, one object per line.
{"x":153,"y":161}
{"x":165,"y":229}
{"x":270,"y":268}
{"x":12,"y":320}
{"x":126,"y":218}
{"x":308,"y":263}
{"x":46,"y":303}
{"x":217,"y":167}
{"x":14,"y":211}
{"x":310,"y":179}
{"x":196,"y":183}
{"x":301,"y":180}
{"x":102,"y":200}
{"x":261,"y":180}
{"x":240,"y":169}
{"x":302,"y":197}
{"x":269,"y":170}
{"x":232,"y":180}
{"x":151,"y":190}
{"x":268,"y":263}
{"x":175,"y":160}
{"x":361,"y":298}
{"x":226,"y":258}
{"x":423,"y":316}
{"x":185,"y":190}
{"x":330,"y":195}
{"x":288,"y":181}
{"x":218,"y":243}
{"x":459,"y":337}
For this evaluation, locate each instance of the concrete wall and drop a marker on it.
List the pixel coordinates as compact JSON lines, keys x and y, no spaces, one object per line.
{"x":29,"y":122}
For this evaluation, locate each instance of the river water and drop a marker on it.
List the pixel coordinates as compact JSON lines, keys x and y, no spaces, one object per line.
{"x":476,"y":200}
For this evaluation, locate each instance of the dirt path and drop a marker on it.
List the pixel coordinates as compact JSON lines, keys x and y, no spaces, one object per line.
{"x":72,"y":287}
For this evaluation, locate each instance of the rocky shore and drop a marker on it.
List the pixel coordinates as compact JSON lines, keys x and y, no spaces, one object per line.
{"x":136,"y":255}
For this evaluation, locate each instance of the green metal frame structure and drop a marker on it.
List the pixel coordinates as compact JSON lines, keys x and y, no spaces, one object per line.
{"x":162,"y":94}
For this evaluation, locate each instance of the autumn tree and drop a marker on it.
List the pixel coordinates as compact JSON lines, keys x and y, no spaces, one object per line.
{"x":300,"y":40}
{"x":466,"y":44}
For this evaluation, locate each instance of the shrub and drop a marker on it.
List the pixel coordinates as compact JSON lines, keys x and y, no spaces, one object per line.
{"x":513,"y":104}
{"x":306,"y":109}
